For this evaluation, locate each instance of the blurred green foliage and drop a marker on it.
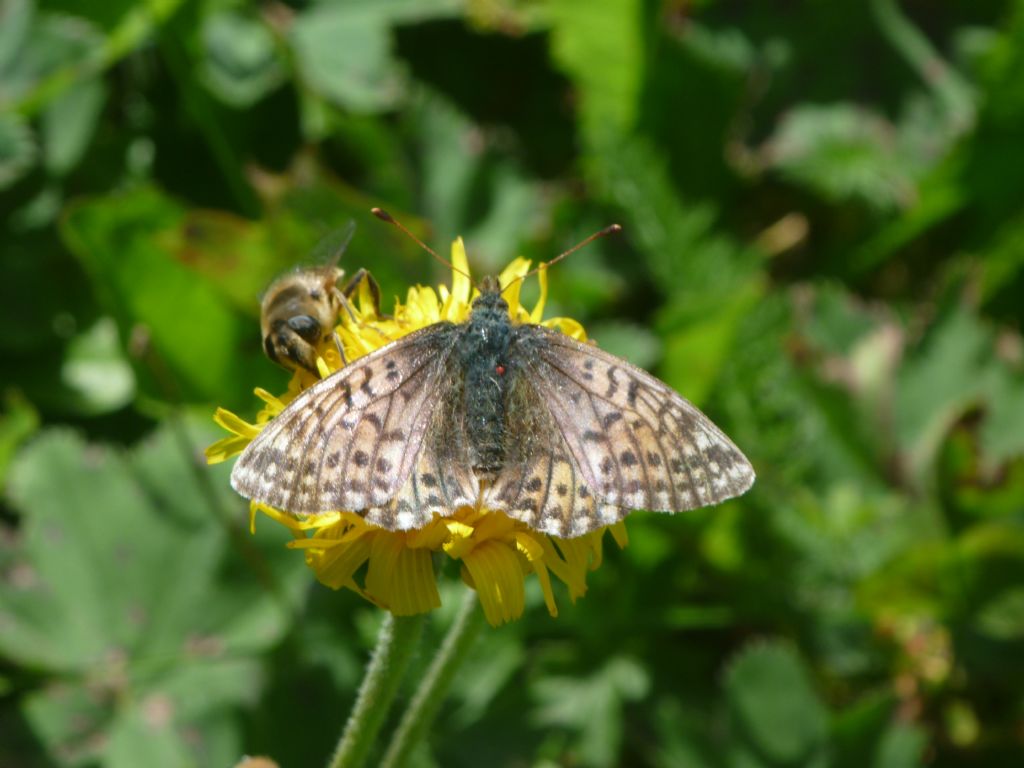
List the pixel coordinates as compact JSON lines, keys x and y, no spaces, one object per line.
{"x":824,"y":249}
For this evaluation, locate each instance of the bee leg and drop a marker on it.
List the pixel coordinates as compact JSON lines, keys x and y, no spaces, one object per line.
{"x":341,"y":351}
{"x":350,"y":288}
{"x":359,"y":277}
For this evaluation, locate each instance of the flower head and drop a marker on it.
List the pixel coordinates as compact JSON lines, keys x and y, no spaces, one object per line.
{"x":497,"y":553}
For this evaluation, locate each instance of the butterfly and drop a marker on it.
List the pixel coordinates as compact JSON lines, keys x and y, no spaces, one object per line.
{"x":520,"y":418}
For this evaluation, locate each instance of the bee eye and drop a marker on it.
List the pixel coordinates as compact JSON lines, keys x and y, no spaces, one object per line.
{"x":307,"y":327}
{"x":315,"y":294}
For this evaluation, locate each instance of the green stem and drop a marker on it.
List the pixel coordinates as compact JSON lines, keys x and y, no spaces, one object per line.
{"x":954,"y":92}
{"x":398,"y":638}
{"x":432,"y":691}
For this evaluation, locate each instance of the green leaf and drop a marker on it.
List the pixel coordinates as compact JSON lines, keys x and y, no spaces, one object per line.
{"x":69,"y":122}
{"x":96,"y":371}
{"x":1002,"y":433}
{"x":242,"y":63}
{"x":344,"y":51}
{"x":120,"y":603}
{"x":18,"y":421}
{"x":771,"y":699}
{"x":599,"y":44}
{"x":1002,"y":617}
{"x":17,"y":149}
{"x":938,"y":382}
{"x":695,"y":353}
{"x":902,"y":746}
{"x":190,"y":335}
{"x":842,"y":152}
{"x":699,"y":266}
{"x":593,"y":707}
{"x":15,"y":22}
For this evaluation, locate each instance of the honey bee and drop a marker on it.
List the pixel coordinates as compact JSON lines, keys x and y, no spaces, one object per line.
{"x":299,"y":310}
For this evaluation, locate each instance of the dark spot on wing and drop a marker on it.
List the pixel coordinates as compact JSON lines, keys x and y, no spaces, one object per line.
{"x":631,"y":391}
{"x":610,"y":419}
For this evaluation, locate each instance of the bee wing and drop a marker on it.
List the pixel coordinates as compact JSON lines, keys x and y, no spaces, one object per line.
{"x":616,"y":439}
{"x":329,"y":249}
{"x":351,"y":441}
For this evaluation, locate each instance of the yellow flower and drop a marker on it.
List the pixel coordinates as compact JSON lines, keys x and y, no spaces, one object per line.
{"x":497,"y":552}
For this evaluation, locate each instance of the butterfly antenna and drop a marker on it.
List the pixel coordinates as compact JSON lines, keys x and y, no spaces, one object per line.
{"x":609,"y":230}
{"x":383,"y":215}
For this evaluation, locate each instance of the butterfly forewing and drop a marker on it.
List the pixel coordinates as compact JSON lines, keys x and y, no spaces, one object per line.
{"x":442,"y":479}
{"x":352,"y":440}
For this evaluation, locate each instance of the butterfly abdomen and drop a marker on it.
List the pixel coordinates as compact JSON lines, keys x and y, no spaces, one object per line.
{"x":483,"y":354}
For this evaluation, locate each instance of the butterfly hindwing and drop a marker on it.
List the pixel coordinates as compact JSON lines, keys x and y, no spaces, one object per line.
{"x":352,"y":440}
{"x":540,"y":482}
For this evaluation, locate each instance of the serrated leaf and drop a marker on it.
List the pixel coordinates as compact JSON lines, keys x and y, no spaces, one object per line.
{"x":842,"y":152}
{"x":599,"y":45}
{"x":938,"y":382}
{"x":242,"y":62}
{"x":119,"y":601}
{"x":699,"y":266}
{"x":345,"y":50}
{"x":592,"y":706}
{"x":773,"y":702}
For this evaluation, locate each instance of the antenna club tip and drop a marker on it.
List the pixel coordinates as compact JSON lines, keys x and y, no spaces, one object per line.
{"x":613,"y":229}
{"x":383,"y":215}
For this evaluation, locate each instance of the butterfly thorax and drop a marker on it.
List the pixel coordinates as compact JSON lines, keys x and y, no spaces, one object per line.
{"x":483,"y":354}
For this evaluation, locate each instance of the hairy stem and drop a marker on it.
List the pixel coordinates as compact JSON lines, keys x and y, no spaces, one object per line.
{"x":434,"y":687}
{"x":398,"y":638}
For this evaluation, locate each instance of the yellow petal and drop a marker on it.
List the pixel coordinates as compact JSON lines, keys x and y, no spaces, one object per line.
{"x":431,"y":536}
{"x":568,"y":326}
{"x":511,"y":278}
{"x":534,"y":553}
{"x":497,"y":576}
{"x":234,"y":424}
{"x":225,"y":448}
{"x":618,"y":531}
{"x":462,"y":286}
{"x":336,"y":566}
{"x":538,"y":308}
{"x":572,"y":573}
{"x":401,"y":578}
{"x":274,"y":404}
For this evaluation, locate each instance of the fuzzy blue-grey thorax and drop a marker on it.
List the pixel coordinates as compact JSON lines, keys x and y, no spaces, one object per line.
{"x":483,"y":353}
